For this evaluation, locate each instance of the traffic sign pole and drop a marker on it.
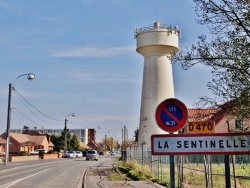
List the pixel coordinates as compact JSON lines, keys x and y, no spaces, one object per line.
{"x":227,"y":171}
{"x":171,"y":116}
{"x":172,"y":171}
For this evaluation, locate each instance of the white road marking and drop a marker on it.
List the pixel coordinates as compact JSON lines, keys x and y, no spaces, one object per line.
{"x":28,"y":166}
{"x":18,"y":180}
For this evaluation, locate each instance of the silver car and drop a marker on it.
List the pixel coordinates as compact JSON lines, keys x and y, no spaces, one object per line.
{"x":92,"y":154}
{"x":78,"y":154}
{"x":69,"y":154}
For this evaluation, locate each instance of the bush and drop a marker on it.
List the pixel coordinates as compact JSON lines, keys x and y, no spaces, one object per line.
{"x":136,"y":171}
{"x":123,"y":169}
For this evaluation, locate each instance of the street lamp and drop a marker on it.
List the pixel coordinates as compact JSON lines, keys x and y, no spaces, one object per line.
{"x":30,"y":76}
{"x":65,"y":131}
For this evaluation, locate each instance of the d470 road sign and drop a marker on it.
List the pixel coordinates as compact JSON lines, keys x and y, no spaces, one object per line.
{"x":171,"y":115}
{"x":201,"y":127}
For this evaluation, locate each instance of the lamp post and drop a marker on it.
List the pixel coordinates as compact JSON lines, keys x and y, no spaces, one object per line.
{"x":65,"y":131}
{"x":30,"y":76}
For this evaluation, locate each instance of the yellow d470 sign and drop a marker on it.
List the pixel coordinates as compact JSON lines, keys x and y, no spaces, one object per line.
{"x":201,"y":127}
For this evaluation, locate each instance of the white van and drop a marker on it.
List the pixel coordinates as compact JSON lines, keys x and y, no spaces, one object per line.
{"x":92,"y":154}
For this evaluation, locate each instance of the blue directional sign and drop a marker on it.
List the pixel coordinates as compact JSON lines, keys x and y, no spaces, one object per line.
{"x":171,"y":115}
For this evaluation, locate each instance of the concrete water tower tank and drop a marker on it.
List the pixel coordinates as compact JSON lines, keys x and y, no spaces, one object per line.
{"x":156,"y":44}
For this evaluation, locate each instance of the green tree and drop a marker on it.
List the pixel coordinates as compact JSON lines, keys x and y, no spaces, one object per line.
{"x":57,"y":141}
{"x":74,"y":143}
{"x":227,"y":53}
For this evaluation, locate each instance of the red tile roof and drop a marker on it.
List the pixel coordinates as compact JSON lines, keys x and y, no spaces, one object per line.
{"x":209,"y":114}
{"x":21,"y":138}
{"x":38,"y":139}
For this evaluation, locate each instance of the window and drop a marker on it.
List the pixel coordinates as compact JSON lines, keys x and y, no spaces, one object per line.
{"x":238,"y":124}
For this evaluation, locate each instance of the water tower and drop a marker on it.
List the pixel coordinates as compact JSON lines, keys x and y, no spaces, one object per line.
{"x":156,"y":44}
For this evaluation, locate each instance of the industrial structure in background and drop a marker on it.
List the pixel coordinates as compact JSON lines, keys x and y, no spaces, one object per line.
{"x":156,"y":44}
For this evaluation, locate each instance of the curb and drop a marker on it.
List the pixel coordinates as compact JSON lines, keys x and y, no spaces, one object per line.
{"x":83,"y":184}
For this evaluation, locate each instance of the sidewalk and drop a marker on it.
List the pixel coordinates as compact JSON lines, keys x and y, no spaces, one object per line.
{"x":98,"y":177}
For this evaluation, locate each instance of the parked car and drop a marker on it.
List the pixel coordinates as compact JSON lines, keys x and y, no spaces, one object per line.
{"x":69,"y":154}
{"x":113,"y":153}
{"x":36,"y":152}
{"x":79,"y":154}
{"x":92,"y":154}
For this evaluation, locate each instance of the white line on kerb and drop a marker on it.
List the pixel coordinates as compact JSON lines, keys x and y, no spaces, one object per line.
{"x":16,"y":181}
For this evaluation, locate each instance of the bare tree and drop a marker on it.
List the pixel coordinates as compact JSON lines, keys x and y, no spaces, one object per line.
{"x":110,"y":142}
{"x":227,"y":53}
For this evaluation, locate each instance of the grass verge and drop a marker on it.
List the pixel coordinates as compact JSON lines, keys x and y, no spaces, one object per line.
{"x":131,"y":171}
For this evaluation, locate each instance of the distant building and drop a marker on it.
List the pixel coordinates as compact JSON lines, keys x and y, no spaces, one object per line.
{"x":83,"y":135}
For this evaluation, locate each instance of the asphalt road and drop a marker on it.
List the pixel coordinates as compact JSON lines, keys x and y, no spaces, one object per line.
{"x":47,"y":173}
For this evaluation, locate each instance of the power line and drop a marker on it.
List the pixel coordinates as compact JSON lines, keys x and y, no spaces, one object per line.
{"x":24,"y":116}
{"x":25,"y":104}
{"x":36,"y":108}
{"x":18,"y":115}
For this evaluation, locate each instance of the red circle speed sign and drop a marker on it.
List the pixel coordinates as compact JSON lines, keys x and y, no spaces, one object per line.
{"x":171,"y":115}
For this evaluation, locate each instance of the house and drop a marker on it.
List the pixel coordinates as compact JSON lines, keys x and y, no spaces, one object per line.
{"x":222,"y":121}
{"x":40,"y":142}
{"x":2,"y":145}
{"x":23,"y":142}
{"x":18,"y":143}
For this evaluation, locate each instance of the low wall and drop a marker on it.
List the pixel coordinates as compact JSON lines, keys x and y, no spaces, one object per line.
{"x":33,"y":157}
{"x":51,"y":156}
{"x":24,"y":158}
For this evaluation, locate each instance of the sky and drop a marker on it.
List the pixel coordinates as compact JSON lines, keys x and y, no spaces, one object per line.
{"x":83,"y":55}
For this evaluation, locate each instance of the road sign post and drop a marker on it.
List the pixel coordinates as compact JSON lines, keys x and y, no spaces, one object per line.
{"x":171,"y":116}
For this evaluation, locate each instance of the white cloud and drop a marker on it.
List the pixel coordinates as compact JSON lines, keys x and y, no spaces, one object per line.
{"x":94,"y":52}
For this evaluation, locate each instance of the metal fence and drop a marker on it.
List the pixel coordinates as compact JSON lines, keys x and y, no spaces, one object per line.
{"x":208,"y":171}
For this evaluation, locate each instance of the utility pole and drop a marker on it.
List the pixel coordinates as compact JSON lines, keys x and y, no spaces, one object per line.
{"x":65,"y":136}
{"x":105,"y":142}
{"x":122,"y":137}
{"x":124,"y":132}
{"x":127,"y":134}
{"x":65,"y":131}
